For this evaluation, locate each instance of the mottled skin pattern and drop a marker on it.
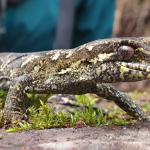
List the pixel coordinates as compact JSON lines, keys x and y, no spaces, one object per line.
{"x":85,"y":69}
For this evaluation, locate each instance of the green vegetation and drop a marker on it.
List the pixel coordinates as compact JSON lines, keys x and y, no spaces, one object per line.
{"x":42,"y":115}
{"x":45,"y":117}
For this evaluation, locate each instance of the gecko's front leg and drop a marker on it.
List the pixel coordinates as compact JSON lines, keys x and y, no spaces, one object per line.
{"x":16,"y":100}
{"x":121,"y":99}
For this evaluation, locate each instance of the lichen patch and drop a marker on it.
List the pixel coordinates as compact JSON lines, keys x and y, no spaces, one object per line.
{"x":56,"y":55}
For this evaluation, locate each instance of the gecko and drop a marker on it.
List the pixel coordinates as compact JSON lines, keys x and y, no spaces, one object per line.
{"x":89,"y":68}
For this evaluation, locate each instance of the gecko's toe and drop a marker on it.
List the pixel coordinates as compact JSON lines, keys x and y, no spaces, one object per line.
{"x":146,"y":118}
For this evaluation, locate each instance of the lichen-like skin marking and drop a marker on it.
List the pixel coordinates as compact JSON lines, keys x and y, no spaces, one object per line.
{"x":85,"y":69}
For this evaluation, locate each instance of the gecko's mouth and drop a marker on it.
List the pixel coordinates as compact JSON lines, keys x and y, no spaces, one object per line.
{"x":134,"y":71}
{"x":137,"y":66}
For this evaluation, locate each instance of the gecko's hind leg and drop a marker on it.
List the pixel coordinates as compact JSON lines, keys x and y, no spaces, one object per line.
{"x":17,"y":101}
{"x":122,"y":100}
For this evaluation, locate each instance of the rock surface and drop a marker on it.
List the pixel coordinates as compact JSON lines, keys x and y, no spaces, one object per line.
{"x":135,"y":137}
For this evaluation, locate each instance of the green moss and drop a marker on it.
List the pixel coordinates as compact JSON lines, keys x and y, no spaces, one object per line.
{"x":119,"y":121}
{"x":45,"y":117}
{"x":42,"y":116}
{"x":85,"y":100}
{"x":21,"y":127}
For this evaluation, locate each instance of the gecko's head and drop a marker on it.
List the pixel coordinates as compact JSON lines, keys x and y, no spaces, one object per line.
{"x":126,"y":59}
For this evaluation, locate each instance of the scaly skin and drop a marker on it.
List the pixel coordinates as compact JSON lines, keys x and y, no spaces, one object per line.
{"x":85,"y":69}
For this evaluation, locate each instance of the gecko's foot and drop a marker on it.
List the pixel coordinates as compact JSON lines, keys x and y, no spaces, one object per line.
{"x":145,"y":118}
{"x":14,"y":119}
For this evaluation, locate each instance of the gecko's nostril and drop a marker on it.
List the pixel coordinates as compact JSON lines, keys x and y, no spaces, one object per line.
{"x":125,"y":52}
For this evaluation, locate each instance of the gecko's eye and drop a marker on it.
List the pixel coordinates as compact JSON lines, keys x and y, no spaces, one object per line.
{"x":125,"y":52}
